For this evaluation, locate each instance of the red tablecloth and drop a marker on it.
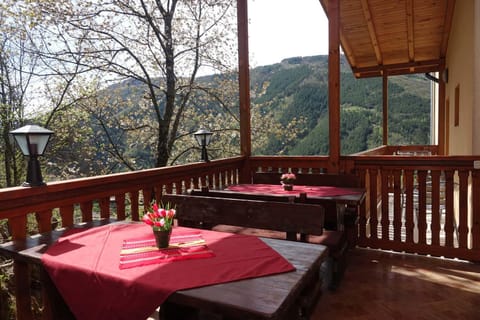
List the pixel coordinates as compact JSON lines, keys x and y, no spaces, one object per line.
{"x":85,"y":268}
{"x":311,"y":191}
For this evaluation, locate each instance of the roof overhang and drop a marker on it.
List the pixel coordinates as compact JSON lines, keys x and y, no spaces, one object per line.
{"x":394,"y":37}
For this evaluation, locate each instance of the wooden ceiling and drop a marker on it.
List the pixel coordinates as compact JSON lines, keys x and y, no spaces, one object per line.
{"x":394,"y":36}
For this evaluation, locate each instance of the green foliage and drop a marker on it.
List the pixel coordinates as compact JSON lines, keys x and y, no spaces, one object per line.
{"x":299,"y":87}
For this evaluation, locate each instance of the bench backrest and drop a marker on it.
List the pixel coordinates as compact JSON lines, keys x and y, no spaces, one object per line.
{"x":205,"y":192}
{"x":313,"y":179}
{"x":272,"y":215}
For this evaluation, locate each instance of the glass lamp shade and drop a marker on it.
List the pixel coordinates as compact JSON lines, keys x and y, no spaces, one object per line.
{"x":203,"y":137}
{"x":32,"y":139}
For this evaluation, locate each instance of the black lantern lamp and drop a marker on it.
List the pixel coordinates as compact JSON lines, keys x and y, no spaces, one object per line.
{"x":32,"y":140}
{"x":203,"y":137}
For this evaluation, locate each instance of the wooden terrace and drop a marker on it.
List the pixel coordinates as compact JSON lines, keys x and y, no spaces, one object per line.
{"x":420,"y":200}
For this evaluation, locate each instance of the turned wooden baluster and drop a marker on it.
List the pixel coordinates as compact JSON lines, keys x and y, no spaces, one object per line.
{"x":409,"y":221}
{"x":463,"y":209}
{"x":436,"y":213}
{"x":422,"y":206}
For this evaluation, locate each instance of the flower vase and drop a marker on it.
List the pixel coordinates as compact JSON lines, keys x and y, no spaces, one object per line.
{"x":288,"y":187}
{"x":162,"y":238}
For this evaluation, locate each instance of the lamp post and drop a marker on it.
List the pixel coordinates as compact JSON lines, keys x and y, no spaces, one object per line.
{"x":32,"y":140}
{"x":203,"y":137}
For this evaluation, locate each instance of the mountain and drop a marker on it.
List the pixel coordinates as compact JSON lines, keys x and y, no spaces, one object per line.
{"x":296,"y":91}
{"x":299,"y":87}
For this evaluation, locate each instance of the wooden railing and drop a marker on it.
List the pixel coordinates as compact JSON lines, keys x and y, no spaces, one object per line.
{"x":415,"y":203}
{"x":421,"y":204}
{"x":116,"y":195}
{"x":303,"y":164}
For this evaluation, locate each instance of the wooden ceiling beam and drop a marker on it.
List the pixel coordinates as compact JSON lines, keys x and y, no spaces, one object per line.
{"x":371,"y":30}
{"x":446,"y":27}
{"x":401,"y":68}
{"x":410,"y":30}
{"x":347,"y":50}
{"x":436,"y":62}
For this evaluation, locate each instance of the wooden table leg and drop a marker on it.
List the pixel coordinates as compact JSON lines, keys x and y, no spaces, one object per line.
{"x":22,"y":290}
{"x":54,"y":307}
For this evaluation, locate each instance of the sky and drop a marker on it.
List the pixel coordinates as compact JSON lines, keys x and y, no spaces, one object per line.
{"x":280,"y":29}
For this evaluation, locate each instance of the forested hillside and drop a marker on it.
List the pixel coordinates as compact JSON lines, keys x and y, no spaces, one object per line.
{"x":289,"y":102}
{"x":298,"y":88}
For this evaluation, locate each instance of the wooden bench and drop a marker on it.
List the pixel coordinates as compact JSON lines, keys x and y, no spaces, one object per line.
{"x":224,"y":210}
{"x":346,"y":217}
{"x":207,"y":211}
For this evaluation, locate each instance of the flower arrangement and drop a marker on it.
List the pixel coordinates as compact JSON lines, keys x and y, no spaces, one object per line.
{"x":288,"y":178}
{"x":161,"y":219}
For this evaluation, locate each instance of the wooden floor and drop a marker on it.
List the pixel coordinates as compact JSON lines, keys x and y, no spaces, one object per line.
{"x":384,"y":285}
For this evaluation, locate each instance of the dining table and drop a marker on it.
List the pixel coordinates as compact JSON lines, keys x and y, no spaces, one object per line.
{"x":339,"y":195}
{"x":111,"y":271}
{"x":345,"y":202}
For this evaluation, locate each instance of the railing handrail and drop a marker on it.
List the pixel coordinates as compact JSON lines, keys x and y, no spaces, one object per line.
{"x":18,"y":200}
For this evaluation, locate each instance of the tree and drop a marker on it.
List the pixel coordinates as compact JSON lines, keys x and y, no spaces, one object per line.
{"x":161,"y":45}
{"x":16,"y":65}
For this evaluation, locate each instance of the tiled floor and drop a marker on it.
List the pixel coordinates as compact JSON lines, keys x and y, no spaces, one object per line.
{"x":383,"y":285}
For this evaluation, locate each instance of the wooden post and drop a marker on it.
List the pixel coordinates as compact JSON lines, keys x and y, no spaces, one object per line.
{"x":385,"y":108}
{"x":334,"y":83}
{"x":441,"y":116}
{"x":244,"y":86}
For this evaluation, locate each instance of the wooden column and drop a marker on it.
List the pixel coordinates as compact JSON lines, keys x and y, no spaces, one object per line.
{"x":441,"y":116}
{"x":385,"y":108}
{"x":334,"y":83}
{"x":244,"y":86}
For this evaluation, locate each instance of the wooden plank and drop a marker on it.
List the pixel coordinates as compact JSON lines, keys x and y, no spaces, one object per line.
{"x":372,"y":32}
{"x":120,"y":206}
{"x":44,"y":220}
{"x":397,"y":210}
{"x":23,"y":301}
{"x":385,"y":222}
{"x":134,"y":204}
{"x":385,"y":108}
{"x":287,"y":217}
{"x":410,"y":31}
{"x":409,"y":194}
{"x":476,"y":210}
{"x":435,"y":224}
{"x":66,"y":212}
{"x":86,"y":208}
{"x":205,"y":192}
{"x":462,"y":223}
{"x":373,"y":173}
{"x":446,"y":27}
{"x":104,"y":204}
{"x":270,"y":297}
{"x":244,"y":81}
{"x":449,"y":208}
{"x":334,"y":84}
{"x":422,"y":206}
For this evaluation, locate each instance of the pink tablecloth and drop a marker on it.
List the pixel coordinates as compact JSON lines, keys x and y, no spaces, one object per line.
{"x":311,"y":191}
{"x":85,"y":268}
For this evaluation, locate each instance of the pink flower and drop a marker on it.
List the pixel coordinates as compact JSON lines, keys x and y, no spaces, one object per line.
{"x":159,"y":218}
{"x":147,"y":220}
{"x":170,"y":213}
{"x":288,"y":178}
{"x":162,"y":212}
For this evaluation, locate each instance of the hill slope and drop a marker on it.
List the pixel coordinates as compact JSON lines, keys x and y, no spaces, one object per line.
{"x":299,"y":87}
